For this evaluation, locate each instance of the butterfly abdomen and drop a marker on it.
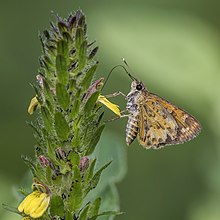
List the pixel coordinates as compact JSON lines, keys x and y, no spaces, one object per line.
{"x":131,"y":130}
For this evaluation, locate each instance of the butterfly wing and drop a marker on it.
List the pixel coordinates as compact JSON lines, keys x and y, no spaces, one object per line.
{"x":162,"y":123}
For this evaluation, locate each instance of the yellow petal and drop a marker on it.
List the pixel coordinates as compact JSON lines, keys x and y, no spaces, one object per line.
{"x":35,"y":203}
{"x":34,"y":103}
{"x":42,"y":208}
{"x":27,"y":201}
{"x":108,"y":104}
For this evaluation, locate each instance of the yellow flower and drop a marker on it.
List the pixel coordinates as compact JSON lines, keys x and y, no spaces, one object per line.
{"x":33,"y":105}
{"x":108,"y":104}
{"x":35,"y":204}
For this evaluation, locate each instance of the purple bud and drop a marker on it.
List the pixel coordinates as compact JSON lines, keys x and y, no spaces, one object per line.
{"x":93,"y":88}
{"x":44,"y":161}
{"x":84,"y":163}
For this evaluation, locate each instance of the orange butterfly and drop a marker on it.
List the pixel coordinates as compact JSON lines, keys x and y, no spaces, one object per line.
{"x":155,"y":121}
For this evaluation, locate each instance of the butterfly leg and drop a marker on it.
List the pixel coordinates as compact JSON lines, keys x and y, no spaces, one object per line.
{"x":115,"y":94}
{"x":116,"y":118}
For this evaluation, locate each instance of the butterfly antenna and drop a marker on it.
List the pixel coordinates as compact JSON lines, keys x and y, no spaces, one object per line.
{"x":113,"y":70}
{"x":126,"y":63}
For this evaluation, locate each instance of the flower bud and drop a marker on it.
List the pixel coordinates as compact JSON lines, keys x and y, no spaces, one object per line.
{"x":44,"y":161}
{"x":84,"y":163}
{"x":93,"y":88}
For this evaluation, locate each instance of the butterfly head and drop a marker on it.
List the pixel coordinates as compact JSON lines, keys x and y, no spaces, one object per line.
{"x":137,"y":86}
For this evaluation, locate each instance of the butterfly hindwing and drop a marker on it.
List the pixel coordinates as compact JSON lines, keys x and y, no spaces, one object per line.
{"x":162,"y":123}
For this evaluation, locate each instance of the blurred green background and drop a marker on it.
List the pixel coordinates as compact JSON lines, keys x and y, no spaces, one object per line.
{"x":174,"y":48}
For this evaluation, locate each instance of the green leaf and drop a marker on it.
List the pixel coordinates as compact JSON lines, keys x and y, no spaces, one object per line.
{"x":94,"y":208}
{"x":91,"y":102}
{"x":35,"y":128}
{"x":75,"y":108}
{"x":50,"y":151}
{"x":82,"y":55}
{"x":72,"y":85}
{"x":62,"y":69}
{"x":79,"y":38}
{"x":88,"y":77}
{"x":68,"y":215}
{"x":62,"y":26}
{"x":37,"y":90}
{"x":67,"y":37}
{"x":57,"y":180}
{"x":63,"y":97}
{"x":93,"y":53}
{"x":75,"y":197}
{"x":61,"y":126}
{"x":97,"y":175}
{"x":95,"y":179}
{"x":89,"y":172}
{"x":47,"y":118}
{"x":56,"y":206}
{"x":83,"y":214}
{"x":77,"y":137}
{"x":77,"y":175}
{"x":48,"y":61}
{"x":76,"y":105}
{"x":10,"y":208}
{"x":28,"y":161}
{"x":67,"y":180}
{"x":49,"y":174}
{"x":47,"y":91}
{"x":50,"y":106}
{"x":95,"y":140}
{"x":74,"y":158}
{"x":107,"y":213}
{"x":23,"y":191}
{"x":62,"y":48}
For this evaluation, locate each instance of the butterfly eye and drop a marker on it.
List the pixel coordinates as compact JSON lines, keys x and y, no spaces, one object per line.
{"x":139,"y":87}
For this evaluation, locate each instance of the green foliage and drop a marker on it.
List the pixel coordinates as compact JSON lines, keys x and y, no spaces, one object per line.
{"x":28,"y":161}
{"x":94,"y":141}
{"x":83,"y":215}
{"x":68,"y":126}
{"x":88,"y":77}
{"x":74,"y":158}
{"x":56,"y":206}
{"x":75,"y":196}
{"x":93,"y":180}
{"x":94,"y":208}
{"x":89,"y":106}
{"x":63,"y":97}
{"x":61,"y":126}
{"x":61,"y":69}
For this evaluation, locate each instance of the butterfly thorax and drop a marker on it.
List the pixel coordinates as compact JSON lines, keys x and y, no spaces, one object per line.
{"x":136,"y":98}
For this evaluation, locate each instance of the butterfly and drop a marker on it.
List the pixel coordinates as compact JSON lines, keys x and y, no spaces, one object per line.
{"x":155,"y":121}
